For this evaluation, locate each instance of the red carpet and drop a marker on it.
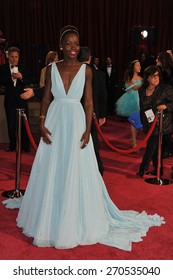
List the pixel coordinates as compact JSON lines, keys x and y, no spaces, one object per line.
{"x":126,"y":190}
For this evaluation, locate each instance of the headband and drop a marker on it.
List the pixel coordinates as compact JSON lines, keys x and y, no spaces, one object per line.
{"x":134,"y":61}
{"x":68,"y":30}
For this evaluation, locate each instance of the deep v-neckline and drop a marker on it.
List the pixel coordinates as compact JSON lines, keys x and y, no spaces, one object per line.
{"x":67,"y":92}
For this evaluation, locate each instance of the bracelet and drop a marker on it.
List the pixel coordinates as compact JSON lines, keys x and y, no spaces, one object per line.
{"x":42,"y":117}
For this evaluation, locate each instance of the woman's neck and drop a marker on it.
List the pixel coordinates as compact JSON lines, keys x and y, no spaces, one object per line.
{"x":150,"y":89}
{"x":152,"y":86}
{"x":135,"y":76}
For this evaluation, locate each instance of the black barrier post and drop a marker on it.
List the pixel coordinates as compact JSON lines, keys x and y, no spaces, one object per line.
{"x":158,"y":180}
{"x":17,"y":192}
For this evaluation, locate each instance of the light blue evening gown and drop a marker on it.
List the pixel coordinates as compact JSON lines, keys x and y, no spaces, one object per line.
{"x":66,"y":202}
{"x":128,"y":103}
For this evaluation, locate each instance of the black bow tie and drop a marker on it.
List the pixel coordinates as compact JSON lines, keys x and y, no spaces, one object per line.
{"x":12,"y":66}
{"x":109,"y":66}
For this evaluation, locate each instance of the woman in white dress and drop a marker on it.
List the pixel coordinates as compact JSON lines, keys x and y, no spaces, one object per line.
{"x":66,"y":203}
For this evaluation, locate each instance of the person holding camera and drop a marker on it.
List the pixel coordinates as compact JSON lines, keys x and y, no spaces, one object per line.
{"x":14,"y":78}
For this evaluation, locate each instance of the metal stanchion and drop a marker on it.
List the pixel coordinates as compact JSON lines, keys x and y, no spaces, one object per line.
{"x":158,"y":180}
{"x":17,"y":192}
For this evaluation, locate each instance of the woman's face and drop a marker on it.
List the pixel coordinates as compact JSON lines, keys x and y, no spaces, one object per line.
{"x":55,"y":58}
{"x":158,"y":62}
{"x":137,"y":67}
{"x":154,"y":79}
{"x":70,"y":45}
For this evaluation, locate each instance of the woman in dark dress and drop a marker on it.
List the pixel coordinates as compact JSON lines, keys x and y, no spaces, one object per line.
{"x":154,"y":96}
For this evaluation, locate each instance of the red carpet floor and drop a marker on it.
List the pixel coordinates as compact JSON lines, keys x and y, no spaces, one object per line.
{"x":126,"y":190}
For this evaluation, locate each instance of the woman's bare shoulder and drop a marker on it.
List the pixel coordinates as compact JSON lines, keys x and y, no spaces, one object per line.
{"x":88,"y":69}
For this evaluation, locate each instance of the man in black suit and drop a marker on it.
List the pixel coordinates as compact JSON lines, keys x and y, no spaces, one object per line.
{"x":14,"y":78}
{"x":99,"y":99}
{"x":111,"y":83}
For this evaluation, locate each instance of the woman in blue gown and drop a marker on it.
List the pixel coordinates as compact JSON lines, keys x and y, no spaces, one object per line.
{"x":128,"y":103}
{"x":66,"y":203}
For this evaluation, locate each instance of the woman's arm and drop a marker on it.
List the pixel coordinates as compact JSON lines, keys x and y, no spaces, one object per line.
{"x":166,"y":101}
{"x":88,"y":106}
{"x":45,"y":102}
{"x":135,"y":86}
{"x":42,"y":77}
{"x":129,"y":87}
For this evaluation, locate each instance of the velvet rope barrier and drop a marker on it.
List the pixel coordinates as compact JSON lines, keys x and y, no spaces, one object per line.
{"x":31,"y":139}
{"x":129,"y":150}
{"x":101,"y":135}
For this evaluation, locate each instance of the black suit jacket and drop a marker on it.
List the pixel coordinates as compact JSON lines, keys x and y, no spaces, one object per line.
{"x":99,"y":93}
{"x":112,"y":80}
{"x":38,"y":92}
{"x":11,"y":92}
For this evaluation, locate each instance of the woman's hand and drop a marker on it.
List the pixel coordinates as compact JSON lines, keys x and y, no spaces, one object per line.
{"x":102,"y":121}
{"x":45,"y":133}
{"x":84,"y":140}
{"x":161,"y":107}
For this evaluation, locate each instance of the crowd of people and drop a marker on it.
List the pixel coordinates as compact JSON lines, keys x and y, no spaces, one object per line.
{"x":66,"y":202}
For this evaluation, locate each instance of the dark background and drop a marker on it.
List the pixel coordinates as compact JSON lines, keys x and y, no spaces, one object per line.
{"x":108,"y":27}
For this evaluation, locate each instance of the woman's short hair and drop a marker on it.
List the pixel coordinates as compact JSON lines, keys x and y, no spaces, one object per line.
{"x":150,"y":70}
